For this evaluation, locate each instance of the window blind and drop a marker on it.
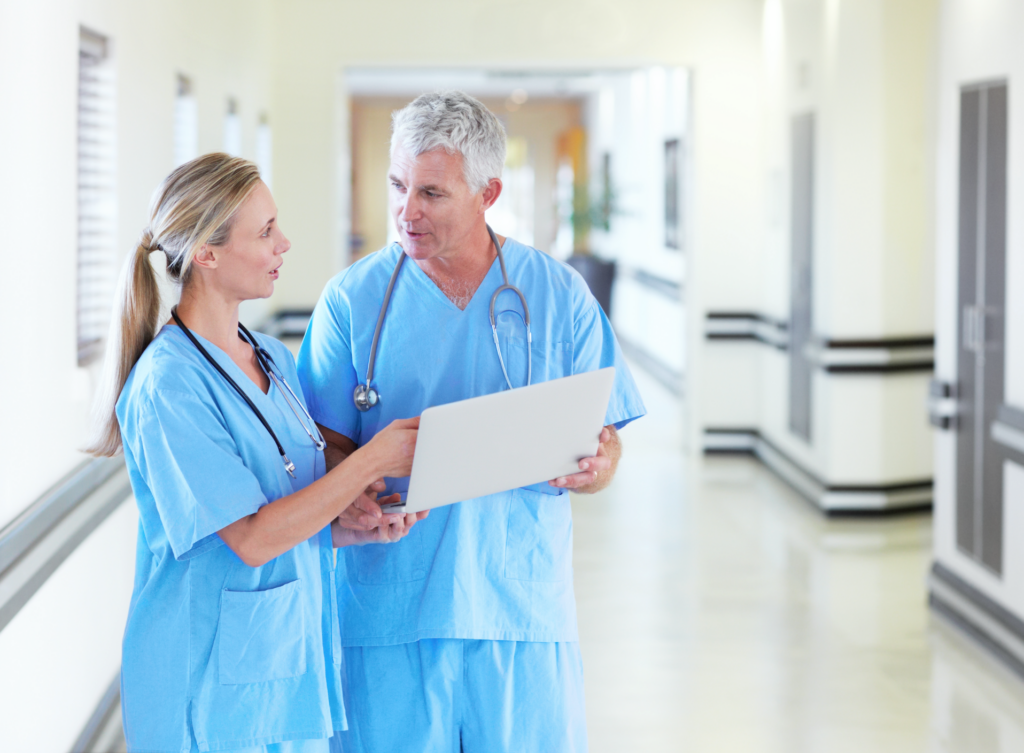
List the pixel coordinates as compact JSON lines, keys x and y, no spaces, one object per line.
{"x":186,"y":123}
{"x":97,"y":198}
{"x":265,"y":151}
{"x":232,"y":130}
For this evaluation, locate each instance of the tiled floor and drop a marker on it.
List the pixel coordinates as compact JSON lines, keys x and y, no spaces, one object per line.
{"x":719,"y":611}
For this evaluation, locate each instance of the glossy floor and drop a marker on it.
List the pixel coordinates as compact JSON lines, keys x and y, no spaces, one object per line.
{"x":719,"y":611}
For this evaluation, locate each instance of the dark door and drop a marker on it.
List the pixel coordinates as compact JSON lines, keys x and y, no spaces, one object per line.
{"x":982,"y":298}
{"x":801,"y":370}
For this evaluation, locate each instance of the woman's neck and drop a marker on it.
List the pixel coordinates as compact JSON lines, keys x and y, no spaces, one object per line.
{"x":210,"y":315}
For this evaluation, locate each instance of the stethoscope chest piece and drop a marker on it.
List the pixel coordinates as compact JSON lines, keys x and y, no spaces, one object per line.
{"x":365,"y":397}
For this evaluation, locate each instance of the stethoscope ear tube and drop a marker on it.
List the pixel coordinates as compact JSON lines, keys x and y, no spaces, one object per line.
{"x":266,"y":363}
{"x":365,"y":396}
{"x":288,"y":464}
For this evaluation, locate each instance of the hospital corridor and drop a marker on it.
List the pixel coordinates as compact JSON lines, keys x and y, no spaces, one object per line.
{"x":512,"y":377}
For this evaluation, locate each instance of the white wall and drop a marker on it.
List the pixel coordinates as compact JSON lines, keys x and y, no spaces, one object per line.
{"x":865,"y":70}
{"x":979,"y":42}
{"x":630,"y":117}
{"x":60,"y":652}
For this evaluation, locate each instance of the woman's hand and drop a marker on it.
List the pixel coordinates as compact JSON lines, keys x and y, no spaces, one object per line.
{"x":386,"y":533}
{"x":391,"y":450}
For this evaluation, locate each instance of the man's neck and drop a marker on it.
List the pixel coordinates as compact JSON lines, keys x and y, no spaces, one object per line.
{"x":458,"y":274}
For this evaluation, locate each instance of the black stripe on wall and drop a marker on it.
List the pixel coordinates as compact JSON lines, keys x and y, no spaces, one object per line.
{"x":865,"y":488}
{"x":925,"y":363}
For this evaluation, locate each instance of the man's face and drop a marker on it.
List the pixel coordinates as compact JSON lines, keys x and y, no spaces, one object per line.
{"x":433,"y":207}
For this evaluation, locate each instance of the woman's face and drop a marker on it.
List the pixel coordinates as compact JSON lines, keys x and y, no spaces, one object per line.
{"x":248,"y":264}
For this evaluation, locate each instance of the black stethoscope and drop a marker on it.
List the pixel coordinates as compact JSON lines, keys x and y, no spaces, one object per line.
{"x":365,"y":396}
{"x":266,"y":363}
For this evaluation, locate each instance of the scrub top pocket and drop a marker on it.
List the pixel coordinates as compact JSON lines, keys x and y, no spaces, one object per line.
{"x":551,"y":360}
{"x":387,"y":564}
{"x":262,"y":635}
{"x":538,"y":543}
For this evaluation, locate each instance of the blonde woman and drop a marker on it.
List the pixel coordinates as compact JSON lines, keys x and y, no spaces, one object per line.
{"x":232,"y":638}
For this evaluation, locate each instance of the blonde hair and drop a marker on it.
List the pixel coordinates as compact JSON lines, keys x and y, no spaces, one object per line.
{"x":194,"y":206}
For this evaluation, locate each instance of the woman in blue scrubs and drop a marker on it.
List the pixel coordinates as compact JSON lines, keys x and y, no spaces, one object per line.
{"x":232,"y":639}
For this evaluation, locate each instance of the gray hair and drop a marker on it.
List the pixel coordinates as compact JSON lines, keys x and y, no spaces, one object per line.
{"x":457,"y":123}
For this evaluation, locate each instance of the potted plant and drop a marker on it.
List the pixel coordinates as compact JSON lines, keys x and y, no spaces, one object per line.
{"x":587,"y":215}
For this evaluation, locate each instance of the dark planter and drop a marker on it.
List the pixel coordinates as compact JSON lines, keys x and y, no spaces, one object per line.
{"x":599,"y":274}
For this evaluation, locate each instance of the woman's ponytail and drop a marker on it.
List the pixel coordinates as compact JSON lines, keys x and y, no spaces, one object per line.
{"x":194,"y":206}
{"x":136,"y":310}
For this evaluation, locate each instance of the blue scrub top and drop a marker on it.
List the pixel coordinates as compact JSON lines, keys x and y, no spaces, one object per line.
{"x":493,"y":568}
{"x":232,"y":655}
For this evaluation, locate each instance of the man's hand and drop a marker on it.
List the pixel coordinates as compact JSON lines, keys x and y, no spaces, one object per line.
{"x":364,"y":514}
{"x":385,"y":533}
{"x":596,"y":472}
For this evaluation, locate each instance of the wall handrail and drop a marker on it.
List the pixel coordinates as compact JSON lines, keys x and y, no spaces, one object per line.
{"x":35,"y":543}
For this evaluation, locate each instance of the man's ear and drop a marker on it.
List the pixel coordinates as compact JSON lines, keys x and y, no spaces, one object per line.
{"x":490,"y":194}
{"x":206,"y":256}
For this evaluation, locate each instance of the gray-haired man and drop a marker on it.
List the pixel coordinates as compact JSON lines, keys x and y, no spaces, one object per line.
{"x":461,"y":636}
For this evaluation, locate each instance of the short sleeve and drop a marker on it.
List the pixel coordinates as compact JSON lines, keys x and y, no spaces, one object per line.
{"x":325,"y":367}
{"x":193,"y":469}
{"x":595,"y":347}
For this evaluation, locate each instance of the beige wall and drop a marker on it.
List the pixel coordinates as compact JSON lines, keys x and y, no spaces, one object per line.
{"x":719,"y":41}
{"x":371,"y":137}
{"x":538,"y":121}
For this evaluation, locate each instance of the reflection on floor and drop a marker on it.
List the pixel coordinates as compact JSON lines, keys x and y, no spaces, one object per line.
{"x":719,"y":611}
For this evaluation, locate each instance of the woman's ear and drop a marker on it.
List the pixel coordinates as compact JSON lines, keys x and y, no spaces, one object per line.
{"x":206,"y":257}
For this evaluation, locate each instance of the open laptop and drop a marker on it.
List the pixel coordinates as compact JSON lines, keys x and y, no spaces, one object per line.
{"x":506,"y":440}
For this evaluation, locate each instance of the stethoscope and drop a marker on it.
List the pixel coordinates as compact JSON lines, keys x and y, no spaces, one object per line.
{"x":266,"y":363}
{"x":365,"y":396}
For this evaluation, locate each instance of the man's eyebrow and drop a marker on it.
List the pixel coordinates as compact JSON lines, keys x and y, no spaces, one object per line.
{"x":429,"y":187}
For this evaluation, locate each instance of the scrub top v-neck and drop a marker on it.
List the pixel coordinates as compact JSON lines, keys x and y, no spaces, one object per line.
{"x":218,"y":654}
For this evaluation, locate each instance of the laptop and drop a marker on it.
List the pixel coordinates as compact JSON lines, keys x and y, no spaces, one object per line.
{"x":494,"y":443}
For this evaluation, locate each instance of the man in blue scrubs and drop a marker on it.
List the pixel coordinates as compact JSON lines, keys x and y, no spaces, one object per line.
{"x":462,"y":636}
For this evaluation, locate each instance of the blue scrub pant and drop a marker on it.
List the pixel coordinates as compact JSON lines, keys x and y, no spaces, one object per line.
{"x":464,"y":696}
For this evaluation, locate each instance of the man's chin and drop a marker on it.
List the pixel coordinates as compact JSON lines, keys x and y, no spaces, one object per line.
{"x":417,"y":250}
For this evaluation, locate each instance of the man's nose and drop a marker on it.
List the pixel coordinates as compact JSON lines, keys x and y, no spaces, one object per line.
{"x":411,"y":208}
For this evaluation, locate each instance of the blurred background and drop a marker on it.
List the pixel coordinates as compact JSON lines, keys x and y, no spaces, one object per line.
{"x":798,"y":216}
